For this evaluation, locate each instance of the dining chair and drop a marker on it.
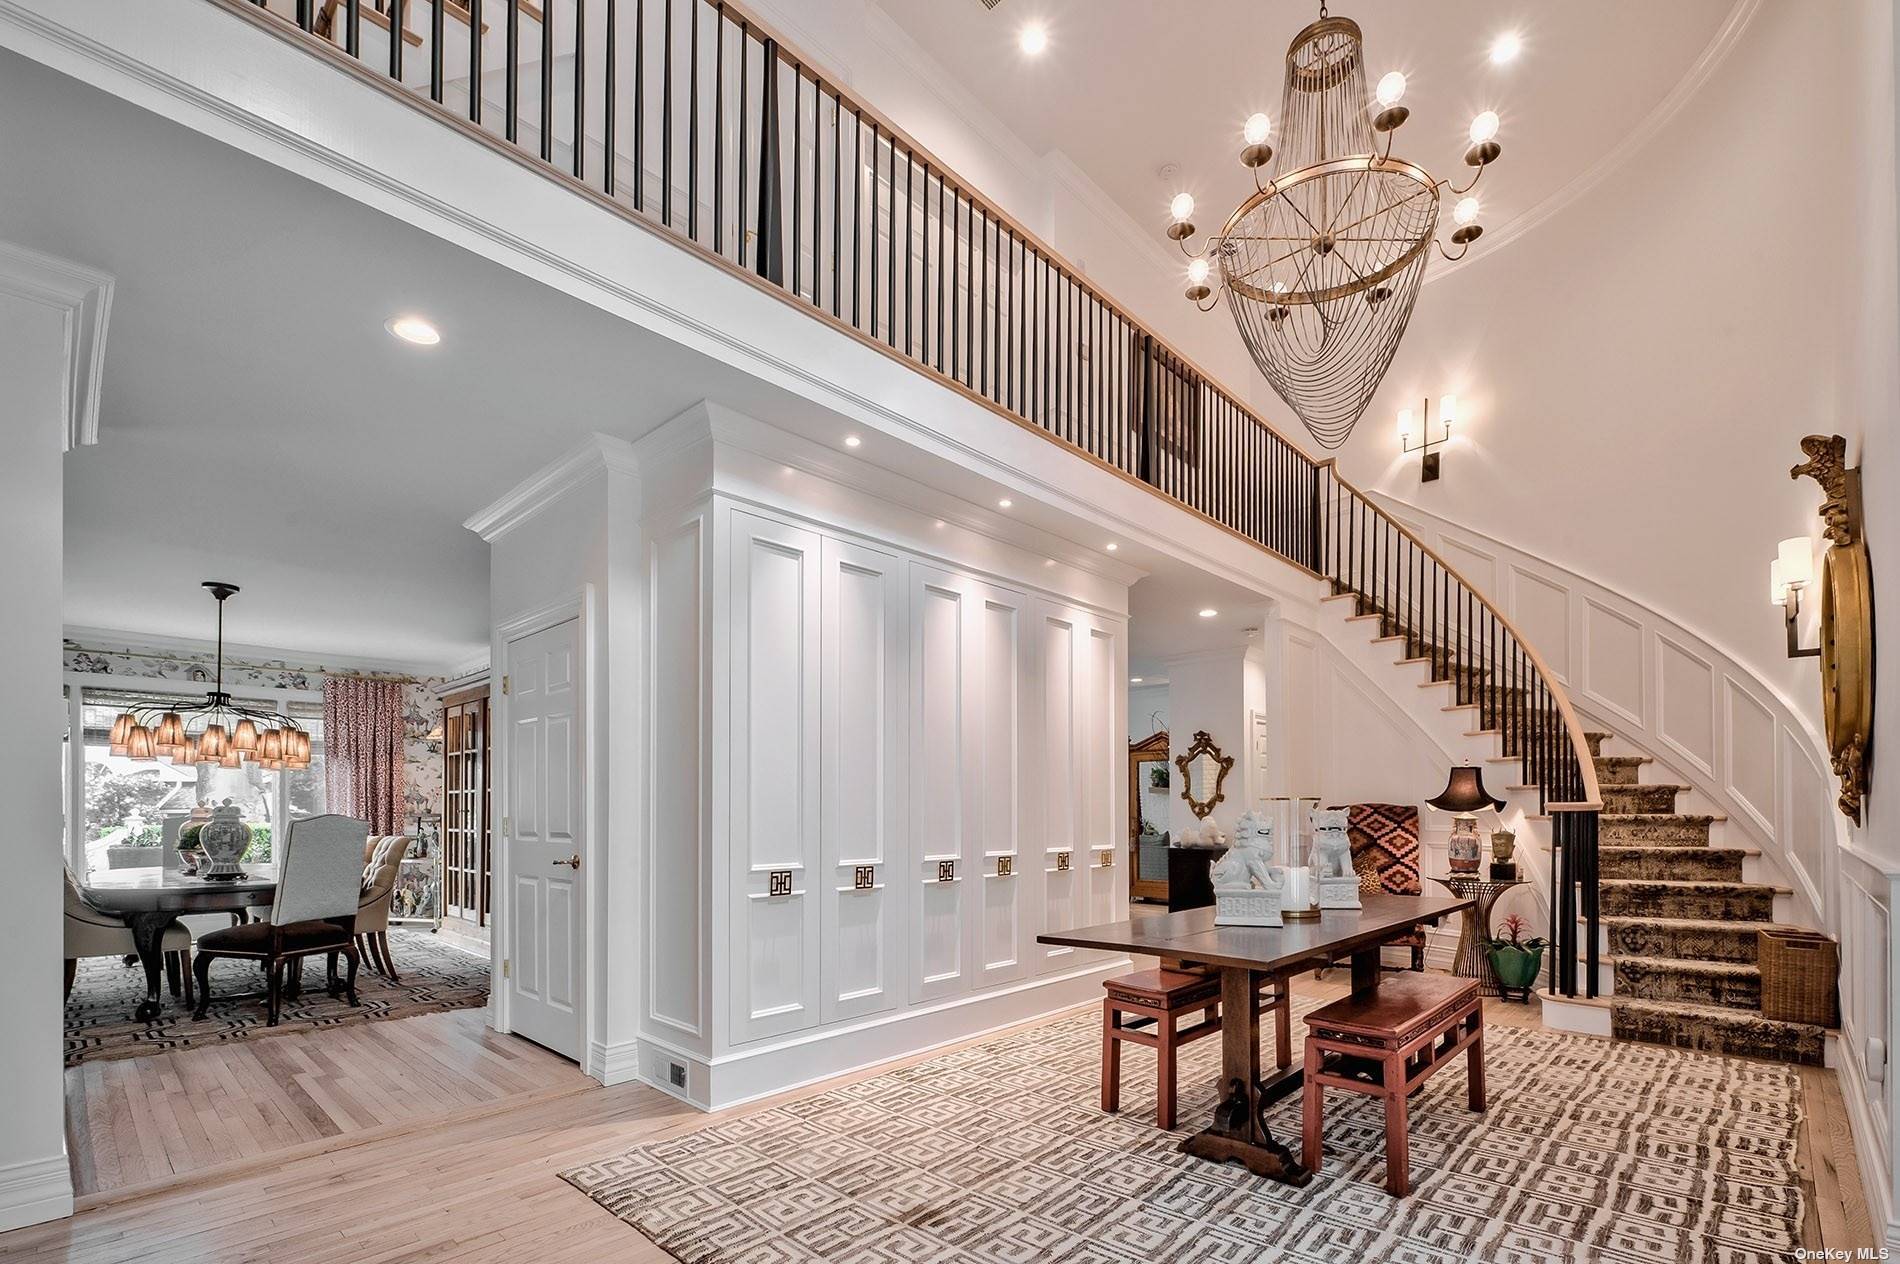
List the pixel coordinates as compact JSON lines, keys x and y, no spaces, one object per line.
{"x":319,"y":886}
{"x":91,"y":932}
{"x":382,"y":864}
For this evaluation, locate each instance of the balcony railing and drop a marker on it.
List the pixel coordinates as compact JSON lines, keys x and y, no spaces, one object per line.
{"x":692,"y":118}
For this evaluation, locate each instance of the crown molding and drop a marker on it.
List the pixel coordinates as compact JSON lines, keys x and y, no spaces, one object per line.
{"x":592,"y":457}
{"x":1146,"y":247}
{"x":83,"y":297}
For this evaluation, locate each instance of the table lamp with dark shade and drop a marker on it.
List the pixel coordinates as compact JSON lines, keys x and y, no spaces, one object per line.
{"x":1465,"y":795}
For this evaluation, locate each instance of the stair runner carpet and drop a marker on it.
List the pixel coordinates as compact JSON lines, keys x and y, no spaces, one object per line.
{"x":1680,"y":924}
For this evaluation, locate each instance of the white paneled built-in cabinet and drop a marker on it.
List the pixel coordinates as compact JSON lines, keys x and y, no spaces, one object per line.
{"x":922,"y":774}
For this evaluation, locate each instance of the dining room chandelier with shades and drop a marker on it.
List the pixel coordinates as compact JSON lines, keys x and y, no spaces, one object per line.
{"x":1322,"y":263}
{"x":216,"y":731}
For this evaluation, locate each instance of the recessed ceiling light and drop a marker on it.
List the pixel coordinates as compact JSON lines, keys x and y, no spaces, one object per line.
{"x":1209,"y":613}
{"x":852,"y":441}
{"x":1048,"y":561}
{"x":1033,"y":39}
{"x":1112,"y":546}
{"x":1004,"y":503}
{"x":413,"y":329}
{"x":939,"y":524}
{"x":1506,"y":47}
{"x":1134,"y":680}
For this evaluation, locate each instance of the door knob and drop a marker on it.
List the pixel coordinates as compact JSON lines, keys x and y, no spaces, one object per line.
{"x":572,"y":862}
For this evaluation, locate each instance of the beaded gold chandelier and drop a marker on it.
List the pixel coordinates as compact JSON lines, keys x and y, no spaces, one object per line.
{"x":1322,"y":262}
{"x":215,"y":731}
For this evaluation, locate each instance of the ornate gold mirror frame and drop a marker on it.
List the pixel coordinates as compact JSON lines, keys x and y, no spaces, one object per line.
{"x":1847,"y":618}
{"x":1203,"y":745}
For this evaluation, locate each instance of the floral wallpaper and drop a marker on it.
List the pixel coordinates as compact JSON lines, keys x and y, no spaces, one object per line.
{"x":422,"y":710}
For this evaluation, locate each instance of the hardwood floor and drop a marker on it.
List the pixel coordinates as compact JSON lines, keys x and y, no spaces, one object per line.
{"x":382,"y":1180}
{"x":134,"y":1123}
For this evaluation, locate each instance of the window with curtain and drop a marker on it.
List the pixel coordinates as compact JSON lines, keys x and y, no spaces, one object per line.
{"x":127,"y":800}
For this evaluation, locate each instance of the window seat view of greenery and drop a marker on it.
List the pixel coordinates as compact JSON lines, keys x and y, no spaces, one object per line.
{"x":150,"y":835}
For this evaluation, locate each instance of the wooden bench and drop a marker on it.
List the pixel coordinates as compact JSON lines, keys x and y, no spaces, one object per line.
{"x":1163,"y":996}
{"x":1385,"y":1043}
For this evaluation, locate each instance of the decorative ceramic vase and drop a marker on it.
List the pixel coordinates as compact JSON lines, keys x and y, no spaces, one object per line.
{"x":1461,"y":849}
{"x":224,"y":839}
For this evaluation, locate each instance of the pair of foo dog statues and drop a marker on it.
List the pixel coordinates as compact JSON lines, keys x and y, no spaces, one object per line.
{"x":1250,"y":890}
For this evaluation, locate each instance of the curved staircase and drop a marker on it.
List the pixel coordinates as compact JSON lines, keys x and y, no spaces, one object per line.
{"x":1679,"y":921}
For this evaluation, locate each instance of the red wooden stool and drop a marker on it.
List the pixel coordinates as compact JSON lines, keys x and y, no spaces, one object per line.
{"x":1162,"y":995}
{"x":1406,"y":1029}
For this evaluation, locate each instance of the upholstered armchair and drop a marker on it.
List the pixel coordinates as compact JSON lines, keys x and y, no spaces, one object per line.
{"x":91,"y":932}
{"x":1384,"y":840}
{"x":382,"y":862}
{"x":319,"y":884}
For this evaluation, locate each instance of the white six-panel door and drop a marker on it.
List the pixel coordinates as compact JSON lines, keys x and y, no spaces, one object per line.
{"x":545,"y":918}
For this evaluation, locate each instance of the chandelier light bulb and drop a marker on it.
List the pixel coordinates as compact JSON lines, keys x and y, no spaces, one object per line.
{"x":1466,"y":211}
{"x":1197,"y":272}
{"x":1257,"y":129}
{"x":1484,"y":127}
{"x":1182,"y":208}
{"x":1506,"y":47}
{"x":1391,"y":88}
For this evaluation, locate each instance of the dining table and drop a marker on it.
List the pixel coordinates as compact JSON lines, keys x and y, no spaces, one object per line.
{"x":151,"y":899}
{"x":1247,"y":956}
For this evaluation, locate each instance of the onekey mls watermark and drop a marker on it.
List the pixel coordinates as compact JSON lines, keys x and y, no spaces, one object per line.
{"x":1842,"y":1253}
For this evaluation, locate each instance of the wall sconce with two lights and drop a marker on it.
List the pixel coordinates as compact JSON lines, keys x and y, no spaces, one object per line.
{"x":1413,"y":439}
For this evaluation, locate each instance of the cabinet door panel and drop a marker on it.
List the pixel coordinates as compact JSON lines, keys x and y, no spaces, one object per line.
{"x":942,"y":675}
{"x":774,"y":794}
{"x":864,"y":790}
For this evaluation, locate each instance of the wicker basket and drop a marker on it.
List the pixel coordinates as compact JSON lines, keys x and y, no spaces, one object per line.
{"x":1798,"y":972}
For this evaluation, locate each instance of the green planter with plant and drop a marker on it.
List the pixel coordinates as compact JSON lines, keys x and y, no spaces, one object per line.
{"x":1514,"y":958}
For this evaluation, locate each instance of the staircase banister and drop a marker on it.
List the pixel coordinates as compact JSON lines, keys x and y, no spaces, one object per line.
{"x":1592,"y":800}
{"x":791,"y":52}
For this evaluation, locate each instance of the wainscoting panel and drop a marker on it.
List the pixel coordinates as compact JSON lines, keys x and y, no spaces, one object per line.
{"x":994,"y":791}
{"x":1104,"y":765}
{"x":1543,"y":612}
{"x":776,"y":572}
{"x":1685,"y":703}
{"x":1065,"y":858}
{"x":1612,"y":661}
{"x":862,"y":799}
{"x":945,"y":672}
{"x":1751,"y":753}
{"x":676,"y":896}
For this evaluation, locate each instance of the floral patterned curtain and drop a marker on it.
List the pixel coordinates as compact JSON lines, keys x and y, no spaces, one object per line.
{"x":363,"y":749}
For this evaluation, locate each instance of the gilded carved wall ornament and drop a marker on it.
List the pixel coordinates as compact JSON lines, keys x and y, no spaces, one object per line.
{"x":1847,"y":619}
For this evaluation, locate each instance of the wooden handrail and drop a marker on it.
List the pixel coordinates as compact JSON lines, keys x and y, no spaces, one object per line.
{"x":1573,"y":728}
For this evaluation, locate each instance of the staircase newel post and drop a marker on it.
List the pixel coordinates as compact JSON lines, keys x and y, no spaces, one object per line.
{"x":769,"y":258}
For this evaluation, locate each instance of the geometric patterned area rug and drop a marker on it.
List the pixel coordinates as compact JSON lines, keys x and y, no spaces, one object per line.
{"x":99,"y":1022}
{"x":1590,"y":1150}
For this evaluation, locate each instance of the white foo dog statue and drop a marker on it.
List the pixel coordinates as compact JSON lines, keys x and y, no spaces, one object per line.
{"x":1247,"y":885}
{"x":1337,"y":883}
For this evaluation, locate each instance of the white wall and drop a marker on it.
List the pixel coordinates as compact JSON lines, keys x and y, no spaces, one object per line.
{"x":1635,"y":374}
{"x":1148,"y":710}
{"x":35,"y":1184}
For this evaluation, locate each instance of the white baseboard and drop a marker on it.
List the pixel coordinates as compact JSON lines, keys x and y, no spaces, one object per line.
{"x":612,"y":1064}
{"x":747,"y":1074}
{"x":34,"y":1191}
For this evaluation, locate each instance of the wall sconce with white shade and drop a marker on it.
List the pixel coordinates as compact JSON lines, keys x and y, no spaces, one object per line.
{"x":1413,"y":438}
{"x":1790,"y":572}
